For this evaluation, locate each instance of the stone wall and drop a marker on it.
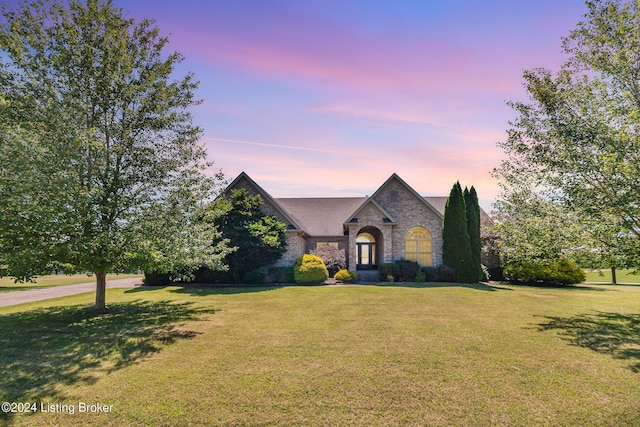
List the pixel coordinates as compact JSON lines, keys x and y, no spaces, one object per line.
{"x":295,"y":248}
{"x":371,"y":216}
{"x":408,"y":211}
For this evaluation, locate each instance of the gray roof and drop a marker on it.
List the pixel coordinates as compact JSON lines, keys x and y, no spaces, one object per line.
{"x":324,"y":216}
{"x":437,"y":202}
{"x":321,"y":216}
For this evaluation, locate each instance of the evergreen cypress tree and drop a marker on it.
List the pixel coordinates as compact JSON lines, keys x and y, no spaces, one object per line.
{"x":456,"y":248}
{"x":473,"y":226}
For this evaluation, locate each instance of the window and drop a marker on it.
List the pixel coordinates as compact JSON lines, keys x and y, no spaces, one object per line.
{"x":417,"y":246}
{"x":326,"y":245}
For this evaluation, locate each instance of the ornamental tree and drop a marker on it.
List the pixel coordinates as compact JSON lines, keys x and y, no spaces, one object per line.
{"x":472,"y":210}
{"x":101,"y":169}
{"x":456,"y":248}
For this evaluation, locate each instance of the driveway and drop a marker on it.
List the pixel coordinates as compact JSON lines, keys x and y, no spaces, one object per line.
{"x":21,"y":297}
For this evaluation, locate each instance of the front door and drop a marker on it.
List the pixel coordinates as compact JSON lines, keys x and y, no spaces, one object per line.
{"x":366,"y":251}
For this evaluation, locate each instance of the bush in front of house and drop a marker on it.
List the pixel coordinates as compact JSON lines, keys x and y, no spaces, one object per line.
{"x":431,"y":274}
{"x":447,"y":274}
{"x":561,"y":272}
{"x":209,"y":276}
{"x":334,"y":259}
{"x":345,"y":276}
{"x":389,"y":272}
{"x":496,"y":273}
{"x":399,"y":271}
{"x":280,"y":275}
{"x":407,"y":270}
{"x":254,"y":277}
{"x":309,"y":269}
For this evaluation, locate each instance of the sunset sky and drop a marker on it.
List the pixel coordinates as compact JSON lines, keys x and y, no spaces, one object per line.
{"x":329,"y":98}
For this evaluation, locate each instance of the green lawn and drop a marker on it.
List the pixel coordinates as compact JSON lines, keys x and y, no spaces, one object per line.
{"x":8,"y":285}
{"x":437,"y":355}
{"x":604,"y":276}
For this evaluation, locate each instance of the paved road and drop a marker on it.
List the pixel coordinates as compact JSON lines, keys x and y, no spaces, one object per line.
{"x":21,"y":297}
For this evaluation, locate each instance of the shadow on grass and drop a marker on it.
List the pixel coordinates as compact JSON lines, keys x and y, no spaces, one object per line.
{"x":476,"y":286}
{"x":582,"y":287}
{"x":613,"y":284}
{"x":40,"y":349}
{"x":614,"y":334}
{"x":203,"y":290}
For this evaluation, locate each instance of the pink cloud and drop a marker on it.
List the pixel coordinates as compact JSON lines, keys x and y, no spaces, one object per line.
{"x":323,"y":53}
{"x":342,"y":172}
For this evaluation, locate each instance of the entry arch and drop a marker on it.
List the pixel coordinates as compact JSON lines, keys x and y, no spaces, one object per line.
{"x":368,"y":248}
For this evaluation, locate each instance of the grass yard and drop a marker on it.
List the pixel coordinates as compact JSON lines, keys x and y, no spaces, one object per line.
{"x":7,"y":284}
{"x":604,"y":276}
{"x":437,"y":355}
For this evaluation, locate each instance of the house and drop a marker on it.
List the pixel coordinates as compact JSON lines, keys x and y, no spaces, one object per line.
{"x":394,"y":223}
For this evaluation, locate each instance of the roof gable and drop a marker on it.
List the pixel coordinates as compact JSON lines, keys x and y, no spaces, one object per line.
{"x":386,"y":217}
{"x":422,"y":200}
{"x":266,"y":197}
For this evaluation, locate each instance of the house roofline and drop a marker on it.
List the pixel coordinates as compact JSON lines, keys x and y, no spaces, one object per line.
{"x":267,"y":197}
{"x":411,"y":190}
{"x":377,"y":205}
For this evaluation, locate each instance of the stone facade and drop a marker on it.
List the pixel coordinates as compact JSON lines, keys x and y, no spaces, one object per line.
{"x":296,"y":245}
{"x":387,"y":216}
{"x":409,"y":210}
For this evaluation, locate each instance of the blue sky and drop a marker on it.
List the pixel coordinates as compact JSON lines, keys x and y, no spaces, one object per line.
{"x":329,"y":98}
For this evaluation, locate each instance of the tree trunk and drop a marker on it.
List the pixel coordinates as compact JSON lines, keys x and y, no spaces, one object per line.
{"x":613,"y":276}
{"x":101,"y":289}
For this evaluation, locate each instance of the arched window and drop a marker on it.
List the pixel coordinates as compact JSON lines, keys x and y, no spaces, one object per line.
{"x":417,"y":246}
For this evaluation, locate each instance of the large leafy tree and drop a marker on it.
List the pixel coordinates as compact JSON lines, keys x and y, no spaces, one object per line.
{"x":532,"y":228}
{"x":259,"y":239}
{"x":101,"y":169}
{"x":456,"y":247}
{"x":577,"y":140}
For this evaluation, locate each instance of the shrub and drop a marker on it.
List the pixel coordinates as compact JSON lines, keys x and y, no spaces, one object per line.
{"x":281,"y":275}
{"x":399,"y":271}
{"x":407,"y":270}
{"x":431,"y":274}
{"x":561,"y":272}
{"x":345,"y":276}
{"x":254,"y":277}
{"x":568,"y":272}
{"x":496,"y":273}
{"x":153,"y":278}
{"x":420,"y":277}
{"x":207,"y":275}
{"x":309,"y":269}
{"x":334,"y":259}
{"x":389,"y":270}
{"x":447,"y":274}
